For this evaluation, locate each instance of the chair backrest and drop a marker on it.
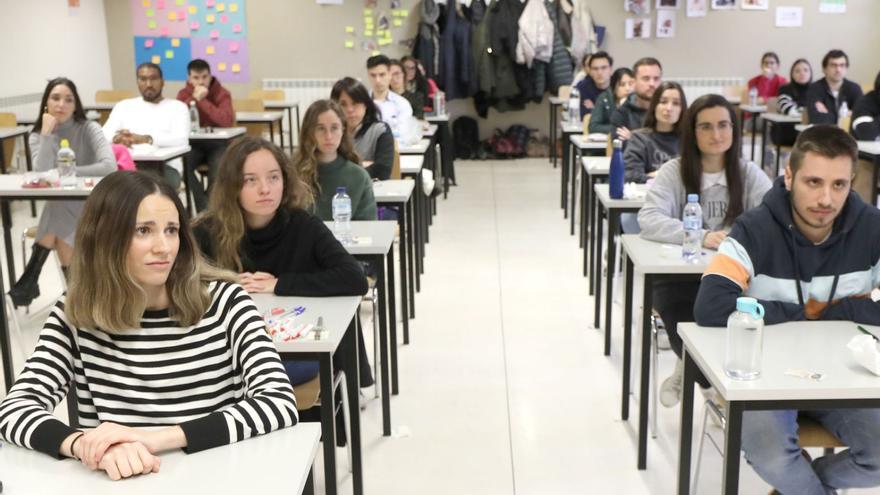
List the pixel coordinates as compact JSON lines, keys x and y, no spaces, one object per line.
{"x":250,"y":105}
{"x":112,"y":95}
{"x":7,"y":119}
{"x":813,"y":434}
{"x":267,"y":94}
{"x":587,"y":123}
{"x":772,"y":104}
{"x":564,"y":92}
{"x":610,"y":146}
{"x":395,"y":164}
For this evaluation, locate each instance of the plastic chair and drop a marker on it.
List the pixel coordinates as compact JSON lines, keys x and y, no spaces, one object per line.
{"x":8,"y":119}
{"x":112,"y":95}
{"x":267,"y":94}
{"x":251,"y":105}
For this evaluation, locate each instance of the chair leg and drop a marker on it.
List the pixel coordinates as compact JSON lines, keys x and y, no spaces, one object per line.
{"x":16,"y":325}
{"x":709,"y":408}
{"x":337,"y":382}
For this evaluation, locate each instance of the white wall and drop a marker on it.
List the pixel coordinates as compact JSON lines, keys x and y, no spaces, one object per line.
{"x":44,"y":39}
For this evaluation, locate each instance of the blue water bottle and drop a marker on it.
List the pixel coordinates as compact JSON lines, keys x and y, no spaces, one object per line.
{"x":616,"y":172}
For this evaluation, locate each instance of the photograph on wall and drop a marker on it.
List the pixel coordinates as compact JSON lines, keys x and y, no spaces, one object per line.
{"x":723,"y":4}
{"x":667,"y":4}
{"x":697,"y":8}
{"x":665,"y":24}
{"x":638,"y":28}
{"x":637,"y":7}
{"x":755,"y":4}
{"x":789,"y":16}
{"x":832,"y":6}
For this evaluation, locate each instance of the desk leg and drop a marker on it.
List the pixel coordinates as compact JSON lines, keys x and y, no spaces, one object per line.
{"x":290,"y":129}
{"x":627,"y":339}
{"x":297,"y":120}
{"x":575,"y":169}
{"x":5,"y":341}
{"x":417,"y":228}
{"x":582,"y":206}
{"x":309,"y":488}
{"x":383,"y":347}
{"x":552,"y":131}
{"x":391,"y":299}
{"x":411,"y":259}
{"x":732,"y":441}
{"x":564,"y":175}
{"x":874,"y":189}
{"x":404,"y":286}
{"x":763,"y":142}
{"x":610,"y":273}
{"x":352,"y":383}
{"x":186,"y":184}
{"x":7,"y":239}
{"x":778,"y":159}
{"x":593,"y":213}
{"x":597,"y":262}
{"x":687,"y":424}
{"x":272,"y":133}
{"x":328,"y":424}
{"x":754,"y":131}
{"x":30,"y":166}
{"x":644,"y":400}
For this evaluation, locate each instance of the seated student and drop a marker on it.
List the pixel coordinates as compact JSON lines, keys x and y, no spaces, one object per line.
{"x":139,"y":290}
{"x":214,"y":104}
{"x":630,"y":115}
{"x":621,"y":86}
{"x":398,"y":86}
{"x":657,"y":142}
{"x":598,"y":66}
{"x":394,"y":108}
{"x":825,"y":96}
{"x":768,"y":81}
{"x":792,"y":101}
{"x":373,"y":140}
{"x":257,"y":224}
{"x":866,"y":115}
{"x":151,"y":119}
{"x":416,"y":82}
{"x":62,"y":117}
{"x":709,"y":165}
{"x":810,"y":229}
{"x":326,"y":160}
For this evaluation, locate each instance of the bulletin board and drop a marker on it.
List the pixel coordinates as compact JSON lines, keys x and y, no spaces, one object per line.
{"x":170,"y":33}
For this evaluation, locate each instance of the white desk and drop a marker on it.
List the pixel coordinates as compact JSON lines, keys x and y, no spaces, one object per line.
{"x":584,"y":143}
{"x":595,"y":169}
{"x":99,"y":106}
{"x":651,"y":261}
{"x":444,"y":138}
{"x":157,"y":155}
{"x":267,"y":118}
{"x":554,"y":103}
{"x":774,"y":119}
{"x":14,"y":133}
{"x":430,"y":130}
{"x":437,"y":118}
{"x":217,"y":134}
{"x":340,"y":324}
{"x":821,"y":347}
{"x":411,"y":166}
{"x":414,"y":149}
{"x":279,"y":462}
{"x":398,"y":194}
{"x":575,"y":146}
{"x":287,"y":106}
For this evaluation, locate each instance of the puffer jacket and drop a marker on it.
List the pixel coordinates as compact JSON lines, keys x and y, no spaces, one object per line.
{"x":535,"y":39}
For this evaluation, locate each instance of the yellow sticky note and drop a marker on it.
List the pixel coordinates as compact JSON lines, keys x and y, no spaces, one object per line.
{"x":221,"y":66}
{"x":349,"y":29}
{"x":398,"y":22}
{"x":209,"y":18}
{"x":169,"y":53}
{"x":175,"y":42}
{"x":209,"y":49}
{"x":404,"y":13}
{"x":236,"y":68}
{"x":384,"y":41}
{"x":156,"y":59}
{"x":375,"y":52}
{"x":368,"y":12}
{"x":233,"y":7}
{"x":349,"y":44}
{"x":193,"y":9}
{"x":172,"y":16}
{"x":146,"y":3}
{"x":151,"y":24}
{"x":368,"y":33}
{"x":221,"y":7}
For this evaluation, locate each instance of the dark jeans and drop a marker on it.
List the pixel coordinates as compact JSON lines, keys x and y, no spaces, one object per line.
{"x":675,"y":303}
{"x":202,"y":153}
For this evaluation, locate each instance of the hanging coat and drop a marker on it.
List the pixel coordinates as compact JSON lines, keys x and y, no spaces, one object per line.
{"x":561,"y":65}
{"x":427,"y":44}
{"x":583,"y":36}
{"x":456,"y":60}
{"x":503,"y":34}
{"x":535,"y":40}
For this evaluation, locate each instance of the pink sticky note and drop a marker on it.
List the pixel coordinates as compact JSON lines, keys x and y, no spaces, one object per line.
{"x":164,"y":32}
{"x":194,"y":26}
{"x":181,"y":15}
{"x":224,"y":19}
{"x":209,"y":3}
{"x":160,"y":4}
{"x":233,"y":47}
{"x":236,"y":28}
{"x":148,"y":43}
{"x":215,"y":34}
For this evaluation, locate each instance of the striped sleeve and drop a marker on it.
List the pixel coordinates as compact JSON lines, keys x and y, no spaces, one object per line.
{"x":268,"y":403}
{"x":26,"y":412}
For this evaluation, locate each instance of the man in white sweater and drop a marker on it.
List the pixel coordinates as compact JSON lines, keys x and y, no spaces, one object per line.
{"x":151,"y":119}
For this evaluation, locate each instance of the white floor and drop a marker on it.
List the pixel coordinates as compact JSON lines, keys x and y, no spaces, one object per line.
{"x":504,"y":388}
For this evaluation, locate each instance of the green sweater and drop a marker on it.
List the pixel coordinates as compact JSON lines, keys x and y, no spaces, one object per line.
{"x":358,"y":185}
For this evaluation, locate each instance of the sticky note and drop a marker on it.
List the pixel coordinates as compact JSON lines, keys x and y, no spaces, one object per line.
{"x":172,"y":16}
{"x":215,"y":34}
{"x":175,"y":42}
{"x":236,"y":68}
{"x":148,"y":43}
{"x":368,"y":12}
{"x":181,"y":15}
{"x":146,"y":3}
{"x":194,"y":26}
{"x":404,"y":13}
{"x":233,"y":47}
{"x":384,"y":41}
{"x":233,"y":7}
{"x":209,"y":3}
{"x":368,"y":33}
{"x":164,"y":32}
{"x":375,"y":52}
{"x":169,"y":53}
{"x":151,"y":24}
{"x":398,"y":22}
{"x":209,"y":18}
{"x":180,"y":2}
{"x":156,"y":59}
{"x":193,"y":9}
{"x":349,"y":44}
{"x":160,"y":4}
{"x":221,"y":7}
{"x":236,"y":28}
{"x":224,"y":19}
{"x":150,"y":13}
{"x":209,"y":49}
{"x":221,"y":66}
{"x":349,"y":29}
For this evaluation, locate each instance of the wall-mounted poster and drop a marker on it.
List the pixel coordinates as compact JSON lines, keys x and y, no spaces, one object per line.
{"x":789,"y":16}
{"x":755,"y":4}
{"x":665,"y":24}
{"x":637,"y":7}
{"x":723,"y":4}
{"x":697,"y":8}
{"x":832,"y":6}
{"x":667,"y":4}
{"x":638,"y":28}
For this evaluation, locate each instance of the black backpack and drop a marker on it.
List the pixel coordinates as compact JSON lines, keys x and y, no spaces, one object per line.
{"x":466,"y":137}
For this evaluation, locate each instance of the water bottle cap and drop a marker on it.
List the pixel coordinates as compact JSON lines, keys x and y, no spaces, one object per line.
{"x":65,"y":143}
{"x":693,"y":198}
{"x":750,"y":305}
{"x":617,"y":143}
{"x":340,"y":190}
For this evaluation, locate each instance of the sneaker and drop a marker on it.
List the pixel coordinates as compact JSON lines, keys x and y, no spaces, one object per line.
{"x":670,"y":389}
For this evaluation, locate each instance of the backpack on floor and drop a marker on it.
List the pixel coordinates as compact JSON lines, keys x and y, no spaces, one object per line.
{"x":519,"y":138}
{"x":466,"y":137}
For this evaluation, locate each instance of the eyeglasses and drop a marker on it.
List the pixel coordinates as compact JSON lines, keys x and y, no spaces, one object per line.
{"x":723,"y":126}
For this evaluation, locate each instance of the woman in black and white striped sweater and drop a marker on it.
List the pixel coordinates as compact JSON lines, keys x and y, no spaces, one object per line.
{"x":151,"y":336}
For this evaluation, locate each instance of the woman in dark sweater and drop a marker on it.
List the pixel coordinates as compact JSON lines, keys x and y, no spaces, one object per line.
{"x":373,"y":139}
{"x":257,"y":224}
{"x":792,"y":100}
{"x":653,"y":145}
{"x":398,"y":85}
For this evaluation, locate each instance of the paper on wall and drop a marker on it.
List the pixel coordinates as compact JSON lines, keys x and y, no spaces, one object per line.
{"x":789,"y":16}
{"x":832,"y":6}
{"x":665,"y":23}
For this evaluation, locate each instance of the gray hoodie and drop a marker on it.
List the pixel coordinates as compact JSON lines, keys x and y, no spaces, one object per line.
{"x":646,"y":151}
{"x":660,"y":217}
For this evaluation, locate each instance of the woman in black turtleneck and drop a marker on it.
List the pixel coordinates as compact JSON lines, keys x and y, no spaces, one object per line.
{"x":257,"y":224}
{"x":792,"y":100}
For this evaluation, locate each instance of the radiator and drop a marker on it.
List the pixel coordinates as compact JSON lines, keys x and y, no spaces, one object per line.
{"x":304,"y":91}
{"x":695,"y":87}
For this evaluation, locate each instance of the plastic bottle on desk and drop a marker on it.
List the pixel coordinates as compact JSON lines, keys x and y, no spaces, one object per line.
{"x":342,"y":216}
{"x":744,"y":340}
{"x":439,"y":103}
{"x":66,"y":163}
{"x":753,"y":97}
{"x":574,"y":106}
{"x":193,"y":117}
{"x":616,"y":171}
{"x":842,"y":115}
{"x":692,"y":220}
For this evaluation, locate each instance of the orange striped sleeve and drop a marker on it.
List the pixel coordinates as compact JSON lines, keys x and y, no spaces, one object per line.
{"x":730,"y":269}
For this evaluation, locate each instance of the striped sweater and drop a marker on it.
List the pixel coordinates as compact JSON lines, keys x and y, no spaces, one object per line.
{"x":766,"y":257}
{"x":221,"y":380}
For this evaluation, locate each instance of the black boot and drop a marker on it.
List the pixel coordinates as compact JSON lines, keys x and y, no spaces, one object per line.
{"x":27,"y":289}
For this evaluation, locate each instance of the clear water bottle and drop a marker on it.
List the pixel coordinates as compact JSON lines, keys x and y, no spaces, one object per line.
{"x":342,"y":216}
{"x":692,"y":220}
{"x":193,"y":117}
{"x":574,"y":106}
{"x":66,"y":164}
{"x":616,"y":171}
{"x":753,"y":97}
{"x":439,"y":103}
{"x":745,"y":340}
{"x":842,"y":114}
